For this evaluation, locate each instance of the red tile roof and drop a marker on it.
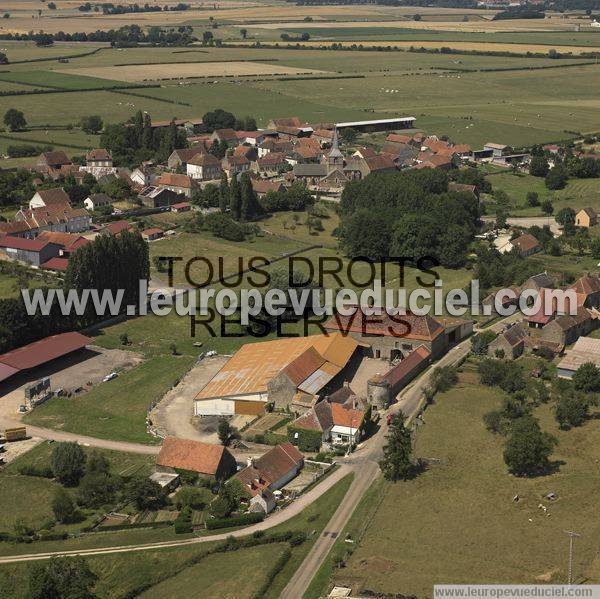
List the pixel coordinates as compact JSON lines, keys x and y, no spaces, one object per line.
{"x":98,"y":154}
{"x":405,"y":367}
{"x":58,"y":264}
{"x":347,"y":417}
{"x":271,"y":467}
{"x":21,"y":243}
{"x":186,"y":454}
{"x":409,"y":326}
{"x":526,"y":242}
{"x":175,"y":180}
{"x":117,"y":227}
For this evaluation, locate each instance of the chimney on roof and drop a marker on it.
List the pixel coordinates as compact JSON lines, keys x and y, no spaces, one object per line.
{"x":346,"y":383}
{"x":250,"y":462}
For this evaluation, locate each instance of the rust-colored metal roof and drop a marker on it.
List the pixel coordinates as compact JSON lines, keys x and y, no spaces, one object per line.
{"x":40,"y":352}
{"x":251,"y":368}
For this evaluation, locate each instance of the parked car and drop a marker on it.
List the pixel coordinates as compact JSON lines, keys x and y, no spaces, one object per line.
{"x":110,"y":377}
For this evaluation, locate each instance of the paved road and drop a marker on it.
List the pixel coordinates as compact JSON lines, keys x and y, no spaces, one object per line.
{"x":55,"y":435}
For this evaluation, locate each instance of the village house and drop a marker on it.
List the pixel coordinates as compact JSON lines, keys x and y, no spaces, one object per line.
{"x":204,"y":167}
{"x":159,"y":197}
{"x":98,"y":158}
{"x":204,"y":459}
{"x":57,"y":217}
{"x":181,"y":207}
{"x":566,"y":329}
{"x":586,"y":218}
{"x":395,"y":336}
{"x":96,"y":201}
{"x":235,"y":165}
{"x":271,"y":164}
{"x":526,"y":244}
{"x":323,"y":136}
{"x":229,"y":136}
{"x":430,"y":160}
{"x":48,"y":198}
{"x":382,"y":389}
{"x":180,"y":158}
{"x":52,"y":160}
{"x":249,"y":152}
{"x":510,"y":343}
{"x":587,"y":289}
{"x":252,"y":138}
{"x":283,"y":372}
{"x":360,"y":167}
{"x":275,"y":145}
{"x":181,"y":184}
{"x":117,"y":227}
{"x":28,"y":251}
{"x":402,"y":155}
{"x":142,"y":176}
{"x":263,"y":186}
{"x":68,"y":242}
{"x":19,"y":229}
{"x":273,"y":470}
{"x":152,"y":234}
{"x":537,"y":282}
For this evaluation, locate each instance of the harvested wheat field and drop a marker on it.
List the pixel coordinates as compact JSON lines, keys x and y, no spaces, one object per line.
{"x":186,"y":70}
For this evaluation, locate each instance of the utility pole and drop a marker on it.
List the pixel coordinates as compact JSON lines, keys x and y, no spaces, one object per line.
{"x":572,"y":535}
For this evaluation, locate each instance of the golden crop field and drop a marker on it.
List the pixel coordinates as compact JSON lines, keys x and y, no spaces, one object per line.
{"x":186,"y":70}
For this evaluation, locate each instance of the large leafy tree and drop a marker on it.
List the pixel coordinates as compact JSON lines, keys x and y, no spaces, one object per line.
{"x":61,"y":578}
{"x":68,"y":462}
{"x":587,"y":378}
{"x":14,"y":119}
{"x":528,"y":448}
{"x":397,"y":453}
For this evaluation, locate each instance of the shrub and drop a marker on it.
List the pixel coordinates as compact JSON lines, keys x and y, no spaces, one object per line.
{"x":240,"y":520}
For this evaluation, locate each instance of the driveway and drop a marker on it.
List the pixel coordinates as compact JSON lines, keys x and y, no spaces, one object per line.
{"x":530,"y":221}
{"x":173,"y":415}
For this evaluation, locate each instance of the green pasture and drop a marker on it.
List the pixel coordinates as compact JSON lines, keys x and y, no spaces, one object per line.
{"x":463,"y":513}
{"x":117,"y":409}
{"x":579,"y":193}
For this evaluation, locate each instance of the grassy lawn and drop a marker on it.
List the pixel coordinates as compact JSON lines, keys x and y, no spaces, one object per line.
{"x":579,"y":193}
{"x":285,"y":224}
{"x":117,"y":409}
{"x":14,"y":486}
{"x":226,"y":257}
{"x":222,"y":576}
{"x":457,"y":522}
{"x":565,"y":268}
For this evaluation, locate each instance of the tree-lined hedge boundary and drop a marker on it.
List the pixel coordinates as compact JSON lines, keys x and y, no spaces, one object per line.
{"x":62,"y":90}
